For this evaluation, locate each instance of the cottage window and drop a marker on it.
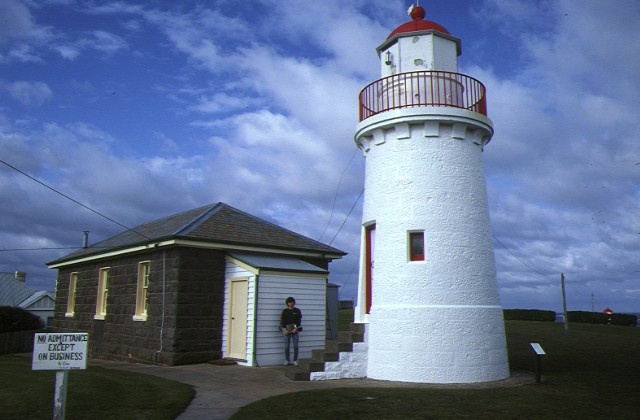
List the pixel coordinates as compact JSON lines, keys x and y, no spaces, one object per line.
{"x":416,"y":246}
{"x":71,"y":298}
{"x":142,"y":297}
{"x":103,"y":293}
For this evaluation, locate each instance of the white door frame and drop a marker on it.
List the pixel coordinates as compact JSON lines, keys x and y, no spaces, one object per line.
{"x":238,"y":317}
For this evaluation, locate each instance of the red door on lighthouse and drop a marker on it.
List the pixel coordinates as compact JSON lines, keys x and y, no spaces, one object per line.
{"x":370,"y":245}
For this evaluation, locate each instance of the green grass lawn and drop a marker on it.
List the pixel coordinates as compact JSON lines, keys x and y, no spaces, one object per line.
{"x":345,"y":318}
{"x":95,"y":393}
{"x":589,"y":372}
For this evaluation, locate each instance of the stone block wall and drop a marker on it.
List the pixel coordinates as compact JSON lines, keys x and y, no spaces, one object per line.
{"x":185,"y":298}
{"x":199,"y":306}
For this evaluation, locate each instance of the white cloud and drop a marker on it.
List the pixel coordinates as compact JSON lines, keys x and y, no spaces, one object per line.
{"x":114,"y":7}
{"x":107,"y":42}
{"x":262,"y":110}
{"x":200,"y":34}
{"x":561,"y":166}
{"x":17,"y":21}
{"x":20,"y":53}
{"x":20,"y":35}
{"x":101,"y":41}
{"x":29,"y":93}
{"x":219,"y":103}
{"x":69,"y":52}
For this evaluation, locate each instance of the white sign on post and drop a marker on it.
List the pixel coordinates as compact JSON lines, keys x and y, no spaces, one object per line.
{"x":538,"y":349}
{"x":60,"y":351}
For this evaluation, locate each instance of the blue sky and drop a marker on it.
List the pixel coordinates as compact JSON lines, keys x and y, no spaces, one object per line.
{"x":141,"y":109}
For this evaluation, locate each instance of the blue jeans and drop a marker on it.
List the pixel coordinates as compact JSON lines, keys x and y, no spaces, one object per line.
{"x":287,"y":345}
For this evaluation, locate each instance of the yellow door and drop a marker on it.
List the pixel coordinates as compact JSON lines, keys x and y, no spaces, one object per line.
{"x":238,"y":319}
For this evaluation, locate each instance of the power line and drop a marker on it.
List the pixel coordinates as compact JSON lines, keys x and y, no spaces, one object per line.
{"x":71,"y":199}
{"x":569,"y":285}
{"x":347,"y":217}
{"x":39,"y":249}
{"x":355,"y":263}
{"x":50,"y":248}
{"x":335,"y":196}
{"x":516,"y":257}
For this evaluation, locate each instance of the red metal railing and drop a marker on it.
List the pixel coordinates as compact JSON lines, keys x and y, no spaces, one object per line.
{"x":423,"y":88}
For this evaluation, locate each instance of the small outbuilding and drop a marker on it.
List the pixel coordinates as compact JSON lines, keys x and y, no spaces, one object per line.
{"x":15,"y":292}
{"x":271,"y":278}
{"x":196,"y":286}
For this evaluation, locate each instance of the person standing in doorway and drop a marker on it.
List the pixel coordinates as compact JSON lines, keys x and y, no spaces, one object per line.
{"x":291,"y":325}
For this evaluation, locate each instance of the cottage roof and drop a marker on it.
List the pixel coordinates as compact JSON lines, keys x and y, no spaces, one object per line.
{"x":12,"y":291}
{"x":216,"y":223}
{"x":279,"y":263}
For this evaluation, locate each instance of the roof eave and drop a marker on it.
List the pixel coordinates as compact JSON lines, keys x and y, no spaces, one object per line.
{"x":191,"y":243}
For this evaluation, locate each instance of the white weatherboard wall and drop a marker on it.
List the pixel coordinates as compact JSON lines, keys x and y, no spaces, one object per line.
{"x":310,"y":293}
{"x":437,"y":320}
{"x":272,"y":288}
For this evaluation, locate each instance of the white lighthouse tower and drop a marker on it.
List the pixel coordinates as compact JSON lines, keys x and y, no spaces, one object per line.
{"x":427,"y":287}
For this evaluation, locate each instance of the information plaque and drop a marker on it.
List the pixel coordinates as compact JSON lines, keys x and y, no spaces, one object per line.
{"x":537,"y":348}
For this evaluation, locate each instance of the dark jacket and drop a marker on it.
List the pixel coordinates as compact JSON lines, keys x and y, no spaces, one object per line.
{"x":291,"y":316}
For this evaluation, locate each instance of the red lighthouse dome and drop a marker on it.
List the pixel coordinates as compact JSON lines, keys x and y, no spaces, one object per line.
{"x":418,"y":24}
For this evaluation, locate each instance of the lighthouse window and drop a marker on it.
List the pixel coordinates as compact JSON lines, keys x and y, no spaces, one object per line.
{"x":416,"y":246}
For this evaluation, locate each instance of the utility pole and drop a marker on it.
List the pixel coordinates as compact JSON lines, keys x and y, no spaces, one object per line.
{"x":564,"y":303}
{"x":593,"y":307}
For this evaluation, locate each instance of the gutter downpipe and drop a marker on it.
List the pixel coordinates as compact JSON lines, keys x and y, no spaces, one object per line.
{"x":164,"y":278}
{"x":255,"y":320}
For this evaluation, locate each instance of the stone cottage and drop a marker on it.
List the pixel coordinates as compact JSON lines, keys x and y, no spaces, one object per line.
{"x":200,"y":285}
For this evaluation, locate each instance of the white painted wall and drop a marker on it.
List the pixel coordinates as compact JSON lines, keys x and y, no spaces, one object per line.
{"x":420,"y":53}
{"x":310,"y":294}
{"x":351,"y":364}
{"x":437,"y":320}
{"x":273,"y":288}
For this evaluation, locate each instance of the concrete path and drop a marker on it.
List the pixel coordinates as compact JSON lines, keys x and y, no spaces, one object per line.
{"x":222,"y":390}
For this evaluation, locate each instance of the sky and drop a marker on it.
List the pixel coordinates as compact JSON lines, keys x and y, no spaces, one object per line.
{"x":136,"y":110}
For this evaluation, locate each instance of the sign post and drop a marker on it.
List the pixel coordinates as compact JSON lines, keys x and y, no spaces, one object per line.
{"x":62,"y":353}
{"x":60,"y":394}
{"x":539,"y":352}
{"x":564,"y":303}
